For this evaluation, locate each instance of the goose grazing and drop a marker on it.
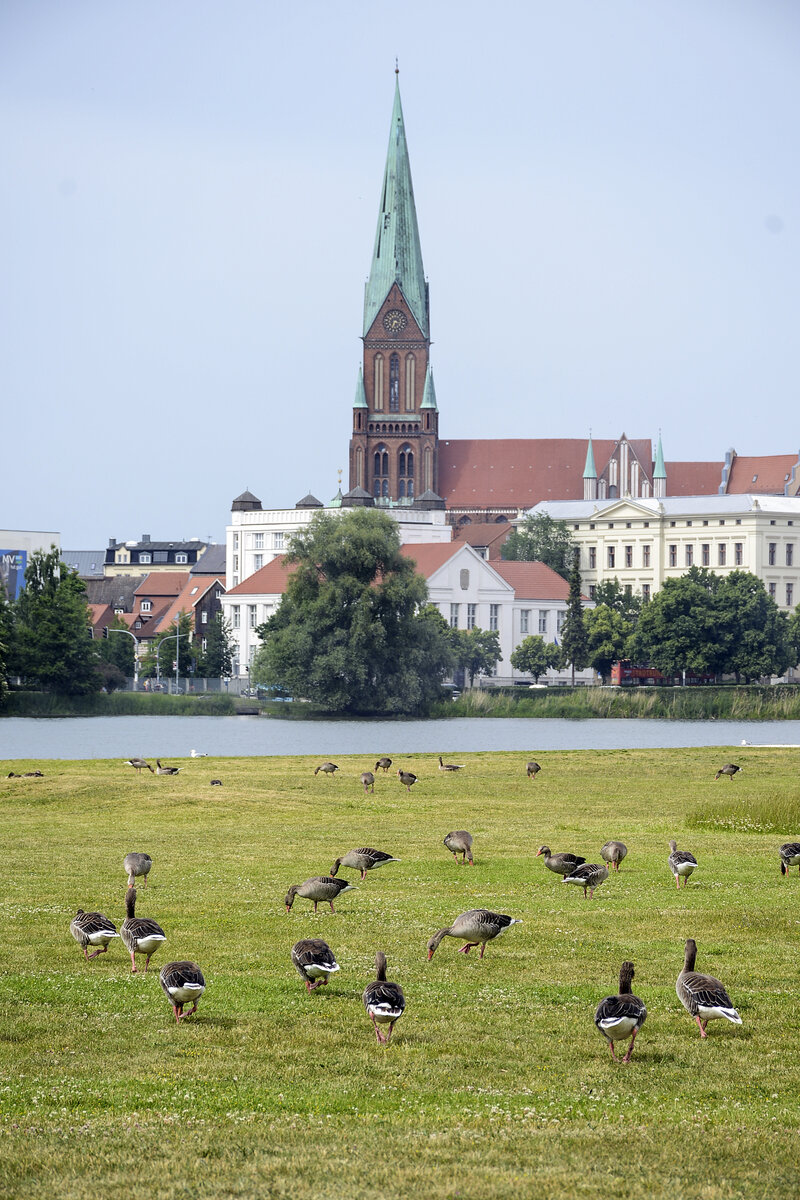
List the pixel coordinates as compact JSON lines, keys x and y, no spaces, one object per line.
{"x":443,"y":766}
{"x":460,"y":842}
{"x":92,"y":929}
{"x":368,"y":781}
{"x":384,"y":1001}
{"x":183,"y":983}
{"x":319,"y":889}
{"x":407,"y":778}
{"x":165,"y":770}
{"x":139,"y":765}
{"x":588,"y":876}
{"x":314,"y":961}
{"x":137,"y":865}
{"x":702,"y":995}
{"x":729,"y":769}
{"x":327,"y":768}
{"x":681,"y":863}
{"x":383,"y":764}
{"x":621,"y":1016}
{"x":363,"y":860}
{"x":140,"y":935}
{"x":477,"y":926}
{"x":216,"y":783}
{"x":533,"y":769}
{"x":790,"y":856}
{"x":614,"y":852}
{"x":561,"y":864}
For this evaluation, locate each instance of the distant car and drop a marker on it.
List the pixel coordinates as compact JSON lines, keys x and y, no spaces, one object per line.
{"x":251,"y":691}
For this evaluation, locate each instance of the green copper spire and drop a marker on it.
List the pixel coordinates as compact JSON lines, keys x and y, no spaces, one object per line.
{"x":429,"y":393}
{"x":659,"y":471}
{"x":590,"y":470}
{"x":397,"y":256}
{"x":361,"y":395}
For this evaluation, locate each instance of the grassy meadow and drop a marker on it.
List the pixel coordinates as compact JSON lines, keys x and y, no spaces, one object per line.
{"x":496,"y":1083}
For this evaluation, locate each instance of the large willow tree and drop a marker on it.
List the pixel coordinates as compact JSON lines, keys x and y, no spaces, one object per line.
{"x":352,"y":633}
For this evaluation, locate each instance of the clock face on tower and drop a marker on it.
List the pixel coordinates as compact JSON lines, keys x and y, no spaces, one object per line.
{"x":395,"y":321}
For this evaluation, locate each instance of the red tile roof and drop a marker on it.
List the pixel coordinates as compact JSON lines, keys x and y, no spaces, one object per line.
{"x":512,"y":473}
{"x":429,"y":556}
{"x":533,"y":580}
{"x":768,"y":474}
{"x":162,"y":583}
{"x":270,"y":580}
{"x":190,"y":596}
{"x":483,"y":533}
{"x":693,"y":478}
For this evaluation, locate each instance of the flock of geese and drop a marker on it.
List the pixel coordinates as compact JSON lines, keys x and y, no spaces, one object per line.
{"x":617,"y":1017}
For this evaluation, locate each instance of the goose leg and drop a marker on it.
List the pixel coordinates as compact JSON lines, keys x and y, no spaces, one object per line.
{"x":333,"y":910}
{"x":193,"y":1010}
{"x":466,"y":949}
{"x":677,"y":881}
{"x":102,"y":950}
{"x":611,"y":1048}
{"x":701,"y":1026}
{"x":363,"y":876}
{"x":85,"y":954}
{"x":483,"y":949}
{"x":389,"y":1034}
{"x":591,"y":893}
{"x":178,"y":1010}
{"x":627,"y":1057}
{"x":147,"y":961}
{"x":133,"y":963}
{"x":378,"y":1033}
{"x":315,"y":906}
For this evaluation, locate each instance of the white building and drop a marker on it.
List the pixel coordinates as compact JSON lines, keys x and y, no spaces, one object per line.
{"x":256,"y":536}
{"x":515,"y":599}
{"x":643,"y":542}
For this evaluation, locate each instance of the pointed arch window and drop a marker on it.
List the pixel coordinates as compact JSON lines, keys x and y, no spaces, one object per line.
{"x":380,"y":471}
{"x":411,"y":374}
{"x":378,"y":382}
{"x":394,"y":383}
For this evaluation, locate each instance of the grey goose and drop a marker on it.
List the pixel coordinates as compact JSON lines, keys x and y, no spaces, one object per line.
{"x":314,"y":962}
{"x":320,"y":889}
{"x":729,"y":769}
{"x":476,"y":927}
{"x":561,"y":864}
{"x":383,"y":1000}
{"x":364,"y":859}
{"x":681,"y":863}
{"x":790,"y":856}
{"x":137,"y":865}
{"x":703,"y":996}
{"x":460,"y":842}
{"x":589,"y":876}
{"x":183,"y":984}
{"x":613,"y":853}
{"x":140,"y":935}
{"x":327,"y":768}
{"x":92,"y":929}
{"x":621,"y":1016}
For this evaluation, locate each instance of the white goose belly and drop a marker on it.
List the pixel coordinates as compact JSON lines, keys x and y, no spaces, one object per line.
{"x":685,"y":868}
{"x":318,"y":971}
{"x":384,"y":1012}
{"x":101,"y":938}
{"x":146,"y":945}
{"x":716,"y":1012}
{"x":621,"y":1027}
{"x":187,"y":993}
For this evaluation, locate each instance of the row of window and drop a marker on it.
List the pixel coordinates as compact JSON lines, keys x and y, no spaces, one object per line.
{"x":236,"y":615}
{"x":525,"y":618}
{"x":158,"y":556}
{"x":773,"y":591}
{"x":626,"y":558}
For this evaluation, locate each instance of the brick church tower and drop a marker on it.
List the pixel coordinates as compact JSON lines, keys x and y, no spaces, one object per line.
{"x":394,"y":446}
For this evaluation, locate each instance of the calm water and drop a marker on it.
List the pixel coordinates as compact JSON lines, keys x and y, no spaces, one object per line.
{"x":175,"y":737}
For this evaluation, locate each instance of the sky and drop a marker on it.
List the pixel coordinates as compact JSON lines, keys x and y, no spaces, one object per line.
{"x":608,"y":198}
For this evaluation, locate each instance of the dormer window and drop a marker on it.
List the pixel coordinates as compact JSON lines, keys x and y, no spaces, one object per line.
{"x":181,"y":558}
{"x":144,"y":557}
{"x":146,"y":605}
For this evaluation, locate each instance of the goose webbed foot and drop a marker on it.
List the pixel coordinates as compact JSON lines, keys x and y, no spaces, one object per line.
{"x":701,"y":1026}
{"x":466,"y":949}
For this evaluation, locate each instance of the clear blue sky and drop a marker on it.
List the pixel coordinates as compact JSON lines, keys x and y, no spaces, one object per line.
{"x":607,"y":197}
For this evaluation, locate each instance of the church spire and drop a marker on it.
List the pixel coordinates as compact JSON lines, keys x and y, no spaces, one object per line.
{"x":397,"y":255}
{"x":659,"y":472}
{"x":590,"y":474}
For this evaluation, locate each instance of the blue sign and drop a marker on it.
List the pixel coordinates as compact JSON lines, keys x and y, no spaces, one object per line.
{"x":12,"y":571}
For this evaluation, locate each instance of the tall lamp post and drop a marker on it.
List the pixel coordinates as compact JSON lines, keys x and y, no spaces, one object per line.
{"x":135,"y":655}
{"x":172,"y":637}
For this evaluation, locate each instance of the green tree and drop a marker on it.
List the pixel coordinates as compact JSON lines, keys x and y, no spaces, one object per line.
{"x":53,"y":647}
{"x":353,"y":633}
{"x":217,"y":659}
{"x":759,"y":642}
{"x":534,"y":655}
{"x":119,"y":647}
{"x":541,"y":539}
{"x":681,"y":628}
{"x":574,"y":649}
{"x":182,"y":647}
{"x":607,"y":634}
{"x":793,"y":634}
{"x":622,"y":600}
{"x":477,"y":651}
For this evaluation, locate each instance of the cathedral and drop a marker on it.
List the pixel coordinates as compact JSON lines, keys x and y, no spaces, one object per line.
{"x":397,"y":456}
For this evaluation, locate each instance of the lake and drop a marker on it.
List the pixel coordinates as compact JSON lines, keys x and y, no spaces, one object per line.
{"x":175,"y":737}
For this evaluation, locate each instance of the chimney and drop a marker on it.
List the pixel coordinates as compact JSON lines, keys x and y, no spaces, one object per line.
{"x":145,"y":537}
{"x":112,"y":543}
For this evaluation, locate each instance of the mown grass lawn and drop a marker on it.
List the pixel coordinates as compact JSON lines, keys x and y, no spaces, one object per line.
{"x":496,"y":1083}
